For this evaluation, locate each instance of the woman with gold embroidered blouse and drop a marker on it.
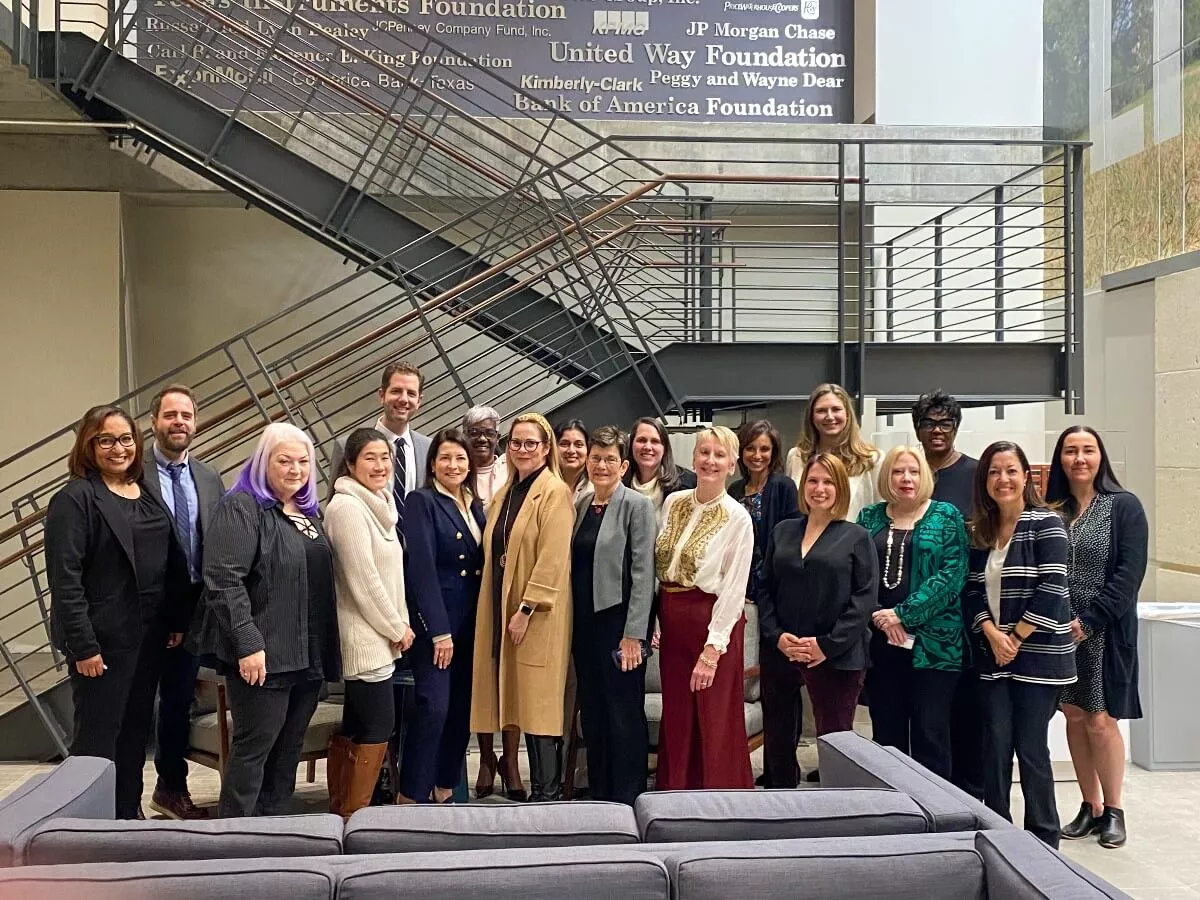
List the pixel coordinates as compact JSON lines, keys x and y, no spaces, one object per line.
{"x":702,"y":557}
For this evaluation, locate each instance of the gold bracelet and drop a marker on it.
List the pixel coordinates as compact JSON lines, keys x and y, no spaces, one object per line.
{"x":708,"y":664}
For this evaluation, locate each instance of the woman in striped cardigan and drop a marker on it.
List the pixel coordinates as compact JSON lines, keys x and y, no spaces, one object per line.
{"x":1016,"y":598}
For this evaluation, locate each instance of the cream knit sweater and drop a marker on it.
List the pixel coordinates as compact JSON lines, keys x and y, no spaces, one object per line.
{"x":368,"y":575}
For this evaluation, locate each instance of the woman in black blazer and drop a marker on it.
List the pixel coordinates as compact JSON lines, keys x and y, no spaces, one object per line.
{"x":269,"y":617}
{"x":819,"y":583}
{"x":1108,"y":536}
{"x":612,"y":585}
{"x":443,"y":524}
{"x":119,"y":595}
{"x":764,"y":490}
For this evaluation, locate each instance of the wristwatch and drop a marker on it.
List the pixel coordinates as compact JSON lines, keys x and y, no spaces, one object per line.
{"x":526,"y":610}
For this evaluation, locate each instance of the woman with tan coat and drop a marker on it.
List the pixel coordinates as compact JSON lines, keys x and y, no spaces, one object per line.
{"x":523,"y":625}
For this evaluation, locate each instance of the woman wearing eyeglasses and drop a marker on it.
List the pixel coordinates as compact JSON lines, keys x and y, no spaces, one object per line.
{"x":523,"y":623}
{"x":114,"y":568}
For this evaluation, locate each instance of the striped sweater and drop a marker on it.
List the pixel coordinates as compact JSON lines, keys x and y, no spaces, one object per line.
{"x":1033,"y":588}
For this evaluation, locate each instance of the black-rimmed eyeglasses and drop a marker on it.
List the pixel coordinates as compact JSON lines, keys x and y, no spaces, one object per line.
{"x":527,"y":446}
{"x":108,"y":441}
{"x":943,"y":425}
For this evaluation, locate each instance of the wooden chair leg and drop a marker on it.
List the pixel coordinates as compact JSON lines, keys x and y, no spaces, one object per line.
{"x":312,"y":771}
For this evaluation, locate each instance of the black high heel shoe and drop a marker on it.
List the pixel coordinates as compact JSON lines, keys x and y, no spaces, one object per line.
{"x":517,"y":795}
{"x":485,"y":784}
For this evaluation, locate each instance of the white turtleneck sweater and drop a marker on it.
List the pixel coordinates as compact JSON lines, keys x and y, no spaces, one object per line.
{"x":368,"y":578}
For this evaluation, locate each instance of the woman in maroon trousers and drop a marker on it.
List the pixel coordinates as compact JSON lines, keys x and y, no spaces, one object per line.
{"x":702,"y":556}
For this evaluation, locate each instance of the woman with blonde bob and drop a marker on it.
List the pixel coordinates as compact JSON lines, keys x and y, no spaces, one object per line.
{"x":830,"y":426}
{"x":918,"y":637}
{"x":702,"y":558}
{"x":817,"y":592}
{"x":523,"y":622}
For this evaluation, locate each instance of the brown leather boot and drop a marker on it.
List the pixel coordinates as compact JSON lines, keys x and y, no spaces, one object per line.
{"x":361,"y":775}
{"x":337,"y":770}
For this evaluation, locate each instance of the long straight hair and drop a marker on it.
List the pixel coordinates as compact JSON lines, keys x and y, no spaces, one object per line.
{"x":668,"y":472}
{"x":253,"y":477}
{"x":985,"y":521}
{"x":856,"y":454}
{"x":1058,"y":486}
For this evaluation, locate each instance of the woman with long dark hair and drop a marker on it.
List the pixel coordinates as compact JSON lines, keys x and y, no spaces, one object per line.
{"x":118,"y":578}
{"x":653,"y":472}
{"x":443,"y":525}
{"x":1109,"y":537}
{"x":573,"y":442}
{"x":1016,"y":600}
{"x":764,"y":490}
{"x":373,"y":621}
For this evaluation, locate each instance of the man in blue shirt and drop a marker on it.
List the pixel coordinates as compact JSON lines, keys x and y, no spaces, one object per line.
{"x":190,"y":490}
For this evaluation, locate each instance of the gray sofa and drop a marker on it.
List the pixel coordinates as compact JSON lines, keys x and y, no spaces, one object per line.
{"x":81,"y":787}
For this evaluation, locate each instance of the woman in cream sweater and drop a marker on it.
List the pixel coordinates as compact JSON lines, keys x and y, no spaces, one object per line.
{"x":360,"y":521}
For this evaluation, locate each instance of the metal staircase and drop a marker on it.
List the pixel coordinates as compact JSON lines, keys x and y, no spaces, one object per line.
{"x":529,"y":262}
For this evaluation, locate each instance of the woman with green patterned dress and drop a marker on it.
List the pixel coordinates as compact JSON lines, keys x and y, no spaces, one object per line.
{"x":918,"y":638}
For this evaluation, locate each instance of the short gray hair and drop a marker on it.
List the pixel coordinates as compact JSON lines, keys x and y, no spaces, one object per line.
{"x":477,"y":414}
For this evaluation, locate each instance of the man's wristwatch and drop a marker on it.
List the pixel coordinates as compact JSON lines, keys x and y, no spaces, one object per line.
{"x":525,"y":609}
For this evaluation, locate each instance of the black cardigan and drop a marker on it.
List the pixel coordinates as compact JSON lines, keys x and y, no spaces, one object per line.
{"x":829,"y":594}
{"x":779,"y":502}
{"x":1116,"y":606}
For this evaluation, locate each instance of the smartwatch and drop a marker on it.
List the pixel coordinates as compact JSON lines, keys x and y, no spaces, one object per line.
{"x":526,"y":610}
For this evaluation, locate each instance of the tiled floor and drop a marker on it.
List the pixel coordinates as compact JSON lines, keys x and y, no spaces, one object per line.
{"x":1160,"y":862}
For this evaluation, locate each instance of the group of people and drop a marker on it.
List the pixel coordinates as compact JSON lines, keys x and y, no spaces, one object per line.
{"x":514,"y":581}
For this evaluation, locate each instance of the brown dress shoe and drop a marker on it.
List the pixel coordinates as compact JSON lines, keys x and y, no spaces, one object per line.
{"x":176,"y":805}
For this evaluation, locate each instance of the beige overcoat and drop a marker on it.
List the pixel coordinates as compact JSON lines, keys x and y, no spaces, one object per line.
{"x":526,"y":688}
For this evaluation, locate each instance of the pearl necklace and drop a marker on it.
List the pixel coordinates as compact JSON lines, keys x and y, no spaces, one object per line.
{"x":887,"y":559}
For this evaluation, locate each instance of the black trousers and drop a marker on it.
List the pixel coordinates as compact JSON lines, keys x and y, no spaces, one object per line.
{"x":176,"y":690}
{"x":114,"y":713}
{"x":910,"y":707}
{"x":268,"y":739}
{"x":368,"y":711}
{"x":1017,"y":720}
{"x":612,"y":707}
{"x":966,"y":735}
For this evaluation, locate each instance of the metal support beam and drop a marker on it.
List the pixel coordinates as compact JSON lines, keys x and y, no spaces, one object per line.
{"x":938,"y":248}
{"x":998,"y":262}
{"x":705,"y":293}
{"x":840,"y":187}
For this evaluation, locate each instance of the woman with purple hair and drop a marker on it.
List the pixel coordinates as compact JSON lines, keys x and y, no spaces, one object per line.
{"x":270,"y":617}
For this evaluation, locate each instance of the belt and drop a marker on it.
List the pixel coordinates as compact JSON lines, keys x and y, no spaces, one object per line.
{"x":677,"y":588}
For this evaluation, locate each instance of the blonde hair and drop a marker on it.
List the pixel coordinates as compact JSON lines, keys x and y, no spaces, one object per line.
{"x":841,"y":483}
{"x":856,"y":454}
{"x":924,"y":477}
{"x":532,"y":418}
{"x":722,"y":436}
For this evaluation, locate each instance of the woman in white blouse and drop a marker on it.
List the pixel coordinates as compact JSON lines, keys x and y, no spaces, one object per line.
{"x":830,"y":426}
{"x":702,"y":558}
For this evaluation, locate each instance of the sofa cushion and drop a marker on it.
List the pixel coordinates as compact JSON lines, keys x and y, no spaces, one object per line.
{"x":579,"y":873}
{"x":80,"y":786}
{"x":325,"y":723}
{"x":219,"y":879}
{"x":479,"y":826}
{"x":984,"y":817}
{"x":885,"y":867}
{"x":62,"y":841}
{"x":1017,"y":866}
{"x":763,"y":815}
{"x":847,"y":759}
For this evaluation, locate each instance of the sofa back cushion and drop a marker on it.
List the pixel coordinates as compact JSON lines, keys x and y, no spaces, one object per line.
{"x":554,"y":873}
{"x":887,"y":867}
{"x":79,"y":786}
{"x":260,"y":879}
{"x":984,"y":817}
{"x":763,"y":815}
{"x":64,"y":841}
{"x":1017,"y":866}
{"x":848,"y":759}
{"x":481,"y":826}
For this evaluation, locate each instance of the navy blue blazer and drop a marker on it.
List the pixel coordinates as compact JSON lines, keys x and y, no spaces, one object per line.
{"x":443,"y":568}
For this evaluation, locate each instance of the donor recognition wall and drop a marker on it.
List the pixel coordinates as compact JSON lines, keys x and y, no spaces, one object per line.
{"x":688,"y":60}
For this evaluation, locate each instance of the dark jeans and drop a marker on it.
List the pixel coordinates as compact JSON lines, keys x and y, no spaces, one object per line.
{"x":910,"y":707}
{"x":612,"y":708}
{"x":268,"y":740}
{"x":966,"y":735}
{"x":368,"y":711}
{"x":1017,"y":720}
{"x":176,"y":690}
{"x":114,"y":713}
{"x":832,"y":692}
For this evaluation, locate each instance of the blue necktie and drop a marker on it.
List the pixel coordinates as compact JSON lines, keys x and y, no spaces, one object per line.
{"x":183,"y":523}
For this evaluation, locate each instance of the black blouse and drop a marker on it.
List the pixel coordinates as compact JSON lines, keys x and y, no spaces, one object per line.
{"x":583,"y":553}
{"x":151,"y":531}
{"x":511,"y":508}
{"x":828,"y":594}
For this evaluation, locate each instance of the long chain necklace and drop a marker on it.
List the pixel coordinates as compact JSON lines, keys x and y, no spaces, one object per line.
{"x":887,"y":558}
{"x":504,"y":526}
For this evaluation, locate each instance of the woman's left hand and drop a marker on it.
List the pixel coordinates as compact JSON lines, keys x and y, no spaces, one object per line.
{"x":1077,"y":631}
{"x":631,"y":654}
{"x":883,"y":619}
{"x":705,"y":670}
{"x":896,"y":635}
{"x":812,"y":650}
{"x":517,"y":626}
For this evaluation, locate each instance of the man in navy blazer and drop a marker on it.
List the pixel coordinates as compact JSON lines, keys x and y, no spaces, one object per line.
{"x":189,"y":490}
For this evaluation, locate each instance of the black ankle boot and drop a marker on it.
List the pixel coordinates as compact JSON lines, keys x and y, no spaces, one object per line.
{"x":1111,"y":825}
{"x":1082,"y":825}
{"x":545,"y":768}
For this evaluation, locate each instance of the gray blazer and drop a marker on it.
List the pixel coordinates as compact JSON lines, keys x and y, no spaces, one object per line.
{"x":623,"y":567}
{"x":420,"y":453}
